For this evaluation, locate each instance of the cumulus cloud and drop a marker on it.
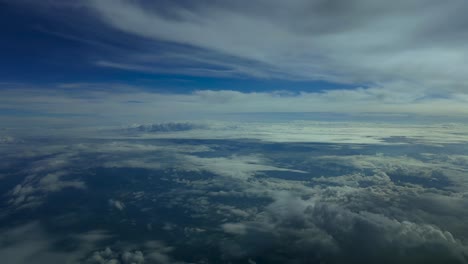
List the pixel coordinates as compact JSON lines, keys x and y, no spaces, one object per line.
{"x":107,"y":256}
{"x":437,"y":172}
{"x":234,"y":228}
{"x":117,"y":204}
{"x":297,"y":202}
{"x":150,"y":252}
{"x":7,"y":140}
{"x":44,"y":176}
{"x":31,"y":244}
{"x":318,"y":232}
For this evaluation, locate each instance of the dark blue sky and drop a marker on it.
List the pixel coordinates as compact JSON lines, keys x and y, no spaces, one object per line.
{"x":40,"y":47}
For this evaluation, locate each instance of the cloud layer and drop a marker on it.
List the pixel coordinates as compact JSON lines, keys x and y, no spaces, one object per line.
{"x":396,"y":57}
{"x":360,"y":41}
{"x":239,"y":199}
{"x":85,"y":106}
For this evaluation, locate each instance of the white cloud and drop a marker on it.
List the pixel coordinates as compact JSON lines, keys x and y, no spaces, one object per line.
{"x":44,"y":176}
{"x":59,"y":109}
{"x":117,"y":204}
{"x":327,"y":232}
{"x":326,"y":214}
{"x":356,"y":41}
{"x":234,"y":228}
{"x":31,"y":244}
{"x":325,"y":132}
{"x":107,"y":256}
{"x":241,"y":167}
{"x":150,"y":252}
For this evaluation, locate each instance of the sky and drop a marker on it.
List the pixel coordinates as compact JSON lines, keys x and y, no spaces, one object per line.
{"x":116,"y":62}
{"x":242,"y":131}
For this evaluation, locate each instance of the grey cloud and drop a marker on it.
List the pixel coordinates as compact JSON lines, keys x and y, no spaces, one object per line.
{"x":107,"y":256}
{"x":239,"y":167}
{"x":321,"y":219}
{"x":31,"y":244}
{"x":7,"y":140}
{"x":30,"y":194}
{"x":117,"y":204}
{"x":316,"y":232}
{"x":234,"y":228}
{"x":164,"y":127}
{"x":352,"y":41}
{"x":397,"y":98}
{"x":149,"y":252}
{"x":45,"y":176}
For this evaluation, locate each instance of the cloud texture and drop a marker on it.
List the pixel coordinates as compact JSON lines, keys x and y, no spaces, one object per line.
{"x":360,"y":41}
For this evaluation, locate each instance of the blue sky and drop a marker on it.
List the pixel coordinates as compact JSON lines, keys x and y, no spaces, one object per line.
{"x":38,"y":49}
{"x":400,"y":57}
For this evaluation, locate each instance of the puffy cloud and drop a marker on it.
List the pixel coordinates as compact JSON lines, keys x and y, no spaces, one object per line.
{"x":117,"y":204}
{"x":234,"y":228}
{"x":44,"y":176}
{"x":30,"y":243}
{"x":310,"y":202}
{"x":436,"y":172}
{"x":316,"y":232}
{"x":7,"y":140}
{"x":107,"y":256}
{"x":151,"y":252}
